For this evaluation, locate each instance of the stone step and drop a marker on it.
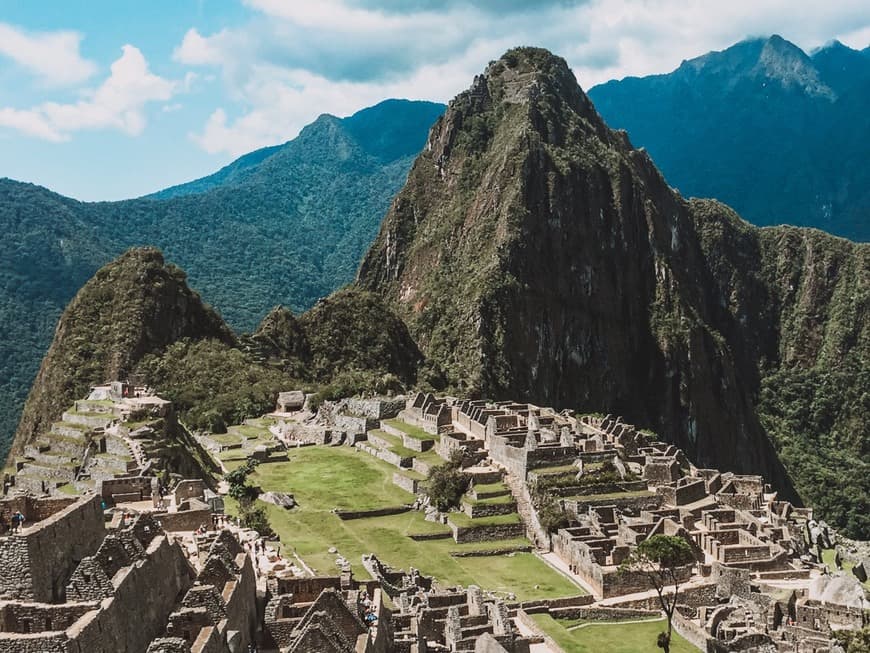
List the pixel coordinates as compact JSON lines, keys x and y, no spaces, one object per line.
{"x":74,"y":447}
{"x":91,"y":420}
{"x":70,"y":430}
{"x":92,"y":406}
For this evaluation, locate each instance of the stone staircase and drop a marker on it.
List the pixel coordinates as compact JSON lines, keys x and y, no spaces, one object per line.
{"x":534,"y":531}
{"x":77,"y":452}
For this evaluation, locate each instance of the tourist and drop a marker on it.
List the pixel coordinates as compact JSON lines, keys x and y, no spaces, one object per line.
{"x":17,"y":521}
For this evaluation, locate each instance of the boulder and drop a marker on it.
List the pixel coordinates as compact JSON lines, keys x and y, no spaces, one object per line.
{"x":279,"y":499}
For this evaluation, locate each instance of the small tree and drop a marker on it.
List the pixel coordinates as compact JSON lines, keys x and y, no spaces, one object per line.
{"x":447,"y":483}
{"x":237,"y":480}
{"x":659,"y":558}
{"x":255,"y":517}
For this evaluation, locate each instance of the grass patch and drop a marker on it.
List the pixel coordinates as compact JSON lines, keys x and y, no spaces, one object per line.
{"x":322,"y":478}
{"x":493,"y":501}
{"x":225,"y":438}
{"x":251,"y":432}
{"x":464,"y":521}
{"x":491,"y":487}
{"x":828,"y":558}
{"x":613,"y":637}
{"x":69,"y":489}
{"x":408,"y":429}
{"x":410,"y":473}
{"x":612,"y":495}
{"x":395,"y":443}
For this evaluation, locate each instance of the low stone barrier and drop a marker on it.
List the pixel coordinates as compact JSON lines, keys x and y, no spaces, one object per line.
{"x":482,"y":553}
{"x":475,"y":510}
{"x":375,"y":512}
{"x":486,"y":533}
{"x":406,"y":482}
{"x":602,"y":613}
{"x":424,"y":537}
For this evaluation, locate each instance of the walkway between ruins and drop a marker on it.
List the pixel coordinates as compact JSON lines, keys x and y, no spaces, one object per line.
{"x":562,"y":567}
{"x":542,"y":647}
{"x":610,"y":623}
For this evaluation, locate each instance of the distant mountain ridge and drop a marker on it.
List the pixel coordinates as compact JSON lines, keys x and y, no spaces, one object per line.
{"x":779,"y":134}
{"x":282,"y":225}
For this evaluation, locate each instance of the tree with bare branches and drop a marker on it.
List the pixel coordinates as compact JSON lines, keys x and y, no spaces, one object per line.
{"x":660,"y":559}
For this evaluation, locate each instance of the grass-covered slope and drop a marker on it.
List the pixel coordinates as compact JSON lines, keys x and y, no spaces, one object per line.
{"x":284,"y":225}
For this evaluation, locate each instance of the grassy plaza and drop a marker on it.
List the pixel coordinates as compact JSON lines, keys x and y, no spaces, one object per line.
{"x":325,"y":478}
{"x":575,"y":636}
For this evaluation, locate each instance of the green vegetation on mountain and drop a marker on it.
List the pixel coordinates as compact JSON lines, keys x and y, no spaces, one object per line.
{"x":535,"y":254}
{"x":136,"y":305}
{"x":779,"y":135}
{"x":138,"y":317}
{"x":286,"y":224}
{"x":212,"y":384}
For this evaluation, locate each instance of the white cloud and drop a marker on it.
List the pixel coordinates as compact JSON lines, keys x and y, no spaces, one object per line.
{"x":118,"y":103}
{"x":294,"y":60}
{"x":53,"y":56}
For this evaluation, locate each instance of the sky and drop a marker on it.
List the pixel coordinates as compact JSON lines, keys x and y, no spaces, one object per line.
{"x":109,"y":99}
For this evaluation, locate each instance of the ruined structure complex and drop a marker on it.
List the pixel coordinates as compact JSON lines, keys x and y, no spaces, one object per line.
{"x":130,"y":566}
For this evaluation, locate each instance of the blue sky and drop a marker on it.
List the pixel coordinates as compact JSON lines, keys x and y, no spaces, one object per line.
{"x":108,"y":99}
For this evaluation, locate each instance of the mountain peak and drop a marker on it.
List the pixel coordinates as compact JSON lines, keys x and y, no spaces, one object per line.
{"x":134,"y":306}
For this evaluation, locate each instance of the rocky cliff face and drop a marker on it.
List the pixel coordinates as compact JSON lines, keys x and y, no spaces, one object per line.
{"x":134,"y":306}
{"x":535,"y":254}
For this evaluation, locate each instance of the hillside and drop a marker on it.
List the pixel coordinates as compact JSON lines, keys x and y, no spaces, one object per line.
{"x":535,"y":254}
{"x":722,"y":125}
{"x":138,"y":318}
{"x":286,"y":224}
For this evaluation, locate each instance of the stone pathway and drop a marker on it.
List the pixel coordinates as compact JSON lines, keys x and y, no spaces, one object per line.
{"x":561,"y":566}
{"x":610,"y":623}
{"x":542,"y":647}
{"x":525,"y":510}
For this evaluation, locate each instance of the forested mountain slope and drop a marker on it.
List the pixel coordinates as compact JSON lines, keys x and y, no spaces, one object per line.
{"x":778,"y":134}
{"x":285,"y":225}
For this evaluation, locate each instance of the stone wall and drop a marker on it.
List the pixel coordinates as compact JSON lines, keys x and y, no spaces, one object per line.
{"x":305,"y":590}
{"x":45,"y":617}
{"x":34,"y":509}
{"x":374,"y":512}
{"x":377,"y":408}
{"x":486,"y":533}
{"x":475,"y":510}
{"x":137,"y":485}
{"x":189,"y":489}
{"x":406,"y":483}
{"x":185,"y":520}
{"x":150,"y":587}
{"x":37,"y":564}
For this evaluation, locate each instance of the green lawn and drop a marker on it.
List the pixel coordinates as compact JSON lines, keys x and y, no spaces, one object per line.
{"x":492,"y":501}
{"x":251,"y":432}
{"x":490,"y":487}
{"x":409,"y":429}
{"x":613,"y":637}
{"x":323,"y":478}
{"x":396,"y":445}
